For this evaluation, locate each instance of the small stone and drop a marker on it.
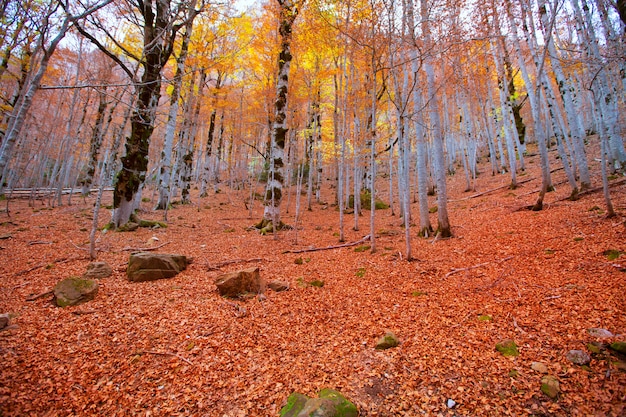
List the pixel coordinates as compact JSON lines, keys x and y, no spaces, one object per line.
{"x":578,"y":357}
{"x":450,"y":403}
{"x":389,"y":340}
{"x":507,"y":347}
{"x":278,"y":286}
{"x":550,"y":386}
{"x":4,"y":320}
{"x":97,"y":270}
{"x":618,"y":347}
{"x":539,"y":367}
{"x":600,"y":333}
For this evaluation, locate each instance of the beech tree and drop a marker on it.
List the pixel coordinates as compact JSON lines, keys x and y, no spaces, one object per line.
{"x":287,"y":13}
{"x":159,"y":23}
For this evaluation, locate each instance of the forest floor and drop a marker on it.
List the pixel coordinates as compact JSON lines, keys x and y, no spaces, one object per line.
{"x":175,"y":347}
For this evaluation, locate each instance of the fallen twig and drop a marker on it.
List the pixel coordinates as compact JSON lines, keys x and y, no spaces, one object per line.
{"x":56,"y":261}
{"x":456,"y":270}
{"x":145,"y":249}
{"x":38,"y":296}
{"x":345,"y":245}
{"x":83,"y":312}
{"x":40,"y":242}
{"x":232,"y":261}
{"x":21,"y":285}
{"x":517,"y":327}
{"x":154,"y":352}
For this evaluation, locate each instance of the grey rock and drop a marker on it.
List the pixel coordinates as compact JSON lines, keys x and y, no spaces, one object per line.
{"x":600,"y":333}
{"x":578,"y":357}
{"x":97,"y":270}
{"x":146,"y":266}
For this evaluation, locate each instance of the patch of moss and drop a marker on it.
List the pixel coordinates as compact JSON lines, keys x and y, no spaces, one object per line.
{"x":298,"y":261}
{"x":360,"y":272}
{"x":507,"y":348}
{"x":618,"y":347}
{"x":316,"y":283}
{"x":513,"y":373}
{"x":418,"y":293}
{"x":145,"y":200}
{"x":579,"y":239}
{"x":433,"y":209}
{"x":362,"y":248}
{"x":548,"y":251}
{"x":151,"y":223}
{"x":612,"y":254}
{"x":484,"y":317}
{"x":389,"y":340}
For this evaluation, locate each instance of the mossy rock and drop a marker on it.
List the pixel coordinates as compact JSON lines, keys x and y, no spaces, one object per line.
{"x":75,"y":290}
{"x":152,"y":224}
{"x":619,"y":347}
{"x":507,"y":348}
{"x":343,"y":407}
{"x":128,"y":227}
{"x":550,"y":386}
{"x":330,"y":403}
{"x":295,"y":404}
{"x":366,"y":202}
{"x":387,"y":341}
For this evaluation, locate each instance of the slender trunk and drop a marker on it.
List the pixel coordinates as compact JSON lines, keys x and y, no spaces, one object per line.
{"x":443,"y":224}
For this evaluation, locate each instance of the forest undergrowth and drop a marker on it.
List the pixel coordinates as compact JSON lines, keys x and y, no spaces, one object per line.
{"x":175,"y":347}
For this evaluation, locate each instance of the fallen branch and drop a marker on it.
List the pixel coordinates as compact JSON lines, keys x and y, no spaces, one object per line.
{"x":144,"y":249}
{"x":345,"y":245}
{"x":38,"y":296}
{"x":56,"y":261}
{"x":154,"y":352}
{"x":232,"y":261}
{"x":456,"y":270}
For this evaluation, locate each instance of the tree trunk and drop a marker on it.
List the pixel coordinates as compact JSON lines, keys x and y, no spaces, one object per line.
{"x":443,"y":224}
{"x":275,"y":181}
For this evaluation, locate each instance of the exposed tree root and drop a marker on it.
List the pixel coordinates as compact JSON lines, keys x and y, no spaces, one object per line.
{"x":38,"y":296}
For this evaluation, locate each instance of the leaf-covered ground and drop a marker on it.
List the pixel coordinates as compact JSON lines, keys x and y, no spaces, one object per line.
{"x":175,"y":347}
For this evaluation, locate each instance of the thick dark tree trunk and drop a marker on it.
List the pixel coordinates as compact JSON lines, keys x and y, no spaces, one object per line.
{"x":275,"y":181}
